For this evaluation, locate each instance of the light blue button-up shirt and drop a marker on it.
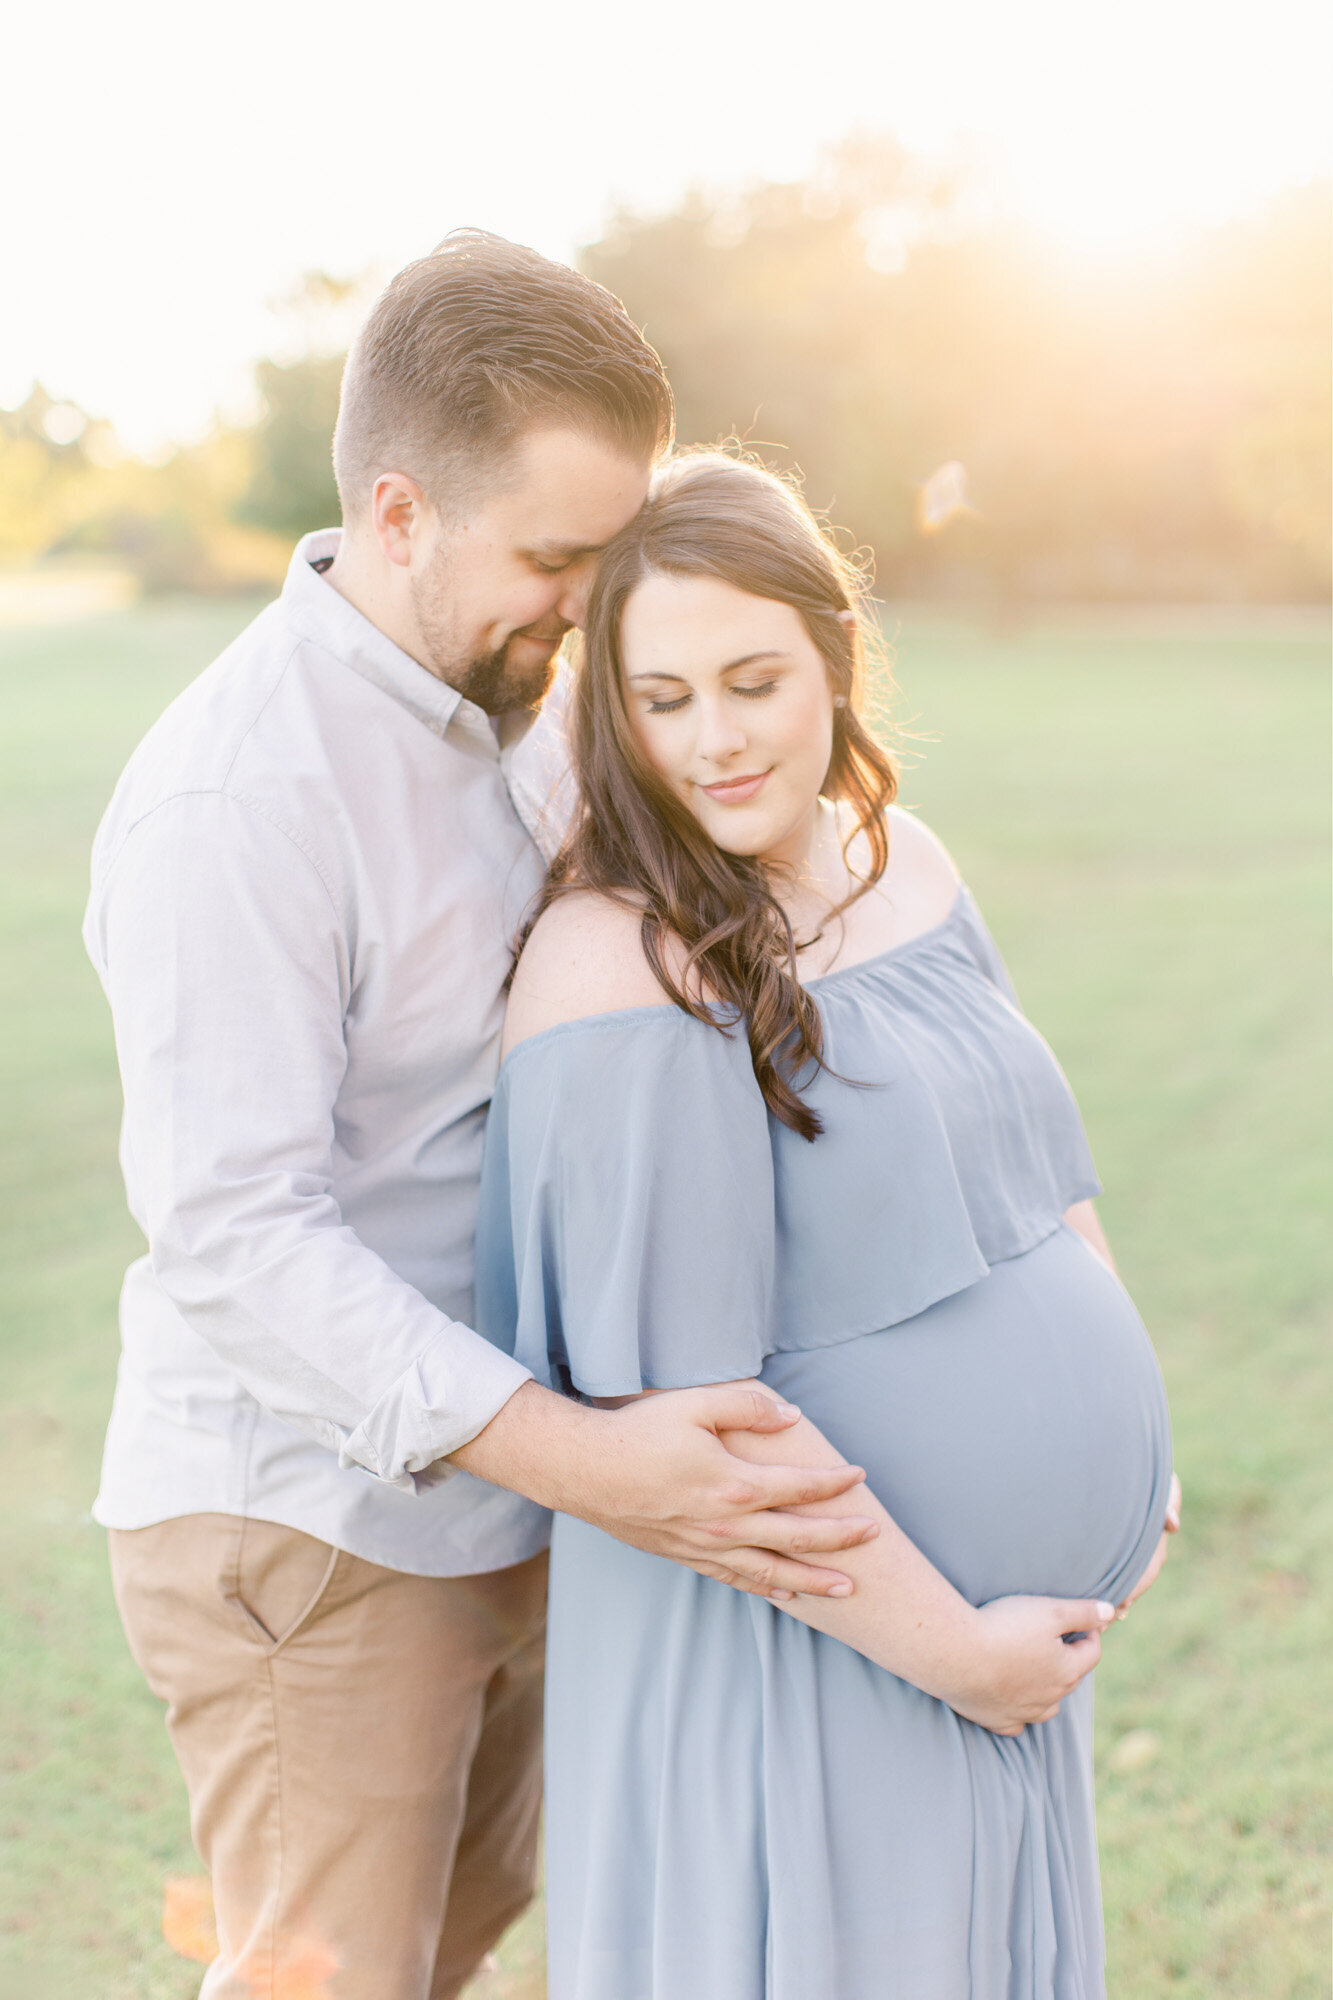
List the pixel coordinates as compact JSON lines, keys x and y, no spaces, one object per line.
{"x":305,"y":894}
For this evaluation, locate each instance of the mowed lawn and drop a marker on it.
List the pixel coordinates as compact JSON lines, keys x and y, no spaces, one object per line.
{"x":1140,"y":805}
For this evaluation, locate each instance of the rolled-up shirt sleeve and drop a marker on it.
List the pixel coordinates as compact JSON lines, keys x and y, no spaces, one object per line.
{"x":228,"y":965}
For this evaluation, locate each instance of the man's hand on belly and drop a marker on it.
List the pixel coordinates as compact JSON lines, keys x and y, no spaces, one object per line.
{"x":656,"y":1475}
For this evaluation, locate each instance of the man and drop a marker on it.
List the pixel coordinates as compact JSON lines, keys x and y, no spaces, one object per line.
{"x":304,"y":896}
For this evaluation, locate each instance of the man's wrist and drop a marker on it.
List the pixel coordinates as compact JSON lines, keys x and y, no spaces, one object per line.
{"x":532,"y":1444}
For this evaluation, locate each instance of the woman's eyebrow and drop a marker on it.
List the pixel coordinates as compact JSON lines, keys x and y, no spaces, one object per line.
{"x":748,"y":659}
{"x":745,"y":660}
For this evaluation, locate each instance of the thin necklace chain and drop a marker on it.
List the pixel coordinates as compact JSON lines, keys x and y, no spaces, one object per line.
{"x":829,"y":831}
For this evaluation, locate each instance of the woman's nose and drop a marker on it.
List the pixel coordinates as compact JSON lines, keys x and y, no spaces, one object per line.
{"x":720,"y":735}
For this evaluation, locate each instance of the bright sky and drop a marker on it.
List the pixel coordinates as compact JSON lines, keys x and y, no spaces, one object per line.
{"x":170,"y":170}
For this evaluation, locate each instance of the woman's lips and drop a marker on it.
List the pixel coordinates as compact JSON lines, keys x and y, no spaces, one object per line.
{"x":735,"y":791}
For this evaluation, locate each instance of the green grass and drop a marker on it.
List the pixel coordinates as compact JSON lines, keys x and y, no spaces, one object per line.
{"x":1142,"y":815}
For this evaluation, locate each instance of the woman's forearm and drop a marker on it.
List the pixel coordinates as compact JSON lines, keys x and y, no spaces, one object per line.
{"x":1084,"y":1220}
{"x":902,"y":1614}
{"x":1006,"y":1665}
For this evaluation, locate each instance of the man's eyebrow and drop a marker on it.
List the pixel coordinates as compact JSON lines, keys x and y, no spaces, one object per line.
{"x":745,"y":660}
{"x":563,"y":551}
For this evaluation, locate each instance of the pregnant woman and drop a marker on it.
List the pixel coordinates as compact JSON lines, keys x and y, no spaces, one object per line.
{"x":770,"y":1111}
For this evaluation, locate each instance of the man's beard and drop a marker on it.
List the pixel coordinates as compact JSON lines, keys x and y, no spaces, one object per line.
{"x":493,"y":681}
{"x":496,"y":685}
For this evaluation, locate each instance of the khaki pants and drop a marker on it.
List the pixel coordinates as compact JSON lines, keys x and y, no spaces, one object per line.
{"x":361,"y":1750}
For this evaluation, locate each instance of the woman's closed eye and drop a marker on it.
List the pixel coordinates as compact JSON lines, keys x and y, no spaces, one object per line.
{"x":753,"y":693}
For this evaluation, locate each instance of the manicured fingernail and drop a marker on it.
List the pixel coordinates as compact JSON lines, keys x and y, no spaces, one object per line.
{"x":1106,"y":1611}
{"x":841,"y":1590}
{"x":870,"y":1531}
{"x":781,"y":1596}
{"x":788,"y":1410}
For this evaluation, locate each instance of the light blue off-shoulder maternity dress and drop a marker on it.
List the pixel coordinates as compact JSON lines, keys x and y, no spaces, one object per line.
{"x":739,"y":1808}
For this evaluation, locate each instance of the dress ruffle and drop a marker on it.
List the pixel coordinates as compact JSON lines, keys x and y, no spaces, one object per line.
{"x":688,"y":1235}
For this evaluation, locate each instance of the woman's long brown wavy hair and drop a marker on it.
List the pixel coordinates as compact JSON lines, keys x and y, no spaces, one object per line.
{"x":710,"y":514}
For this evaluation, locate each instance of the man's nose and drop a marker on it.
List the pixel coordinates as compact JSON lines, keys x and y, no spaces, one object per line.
{"x":572,"y":603}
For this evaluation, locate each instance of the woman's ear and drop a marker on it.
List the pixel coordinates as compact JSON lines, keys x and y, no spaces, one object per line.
{"x":847,"y":618}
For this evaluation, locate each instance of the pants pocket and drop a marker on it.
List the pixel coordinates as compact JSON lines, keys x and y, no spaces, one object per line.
{"x":276,"y":1580}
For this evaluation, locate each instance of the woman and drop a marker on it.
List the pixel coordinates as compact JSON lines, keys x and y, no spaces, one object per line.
{"x":768,"y":1109}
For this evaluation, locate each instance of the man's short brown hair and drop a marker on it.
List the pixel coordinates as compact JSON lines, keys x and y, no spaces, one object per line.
{"x":470,"y":348}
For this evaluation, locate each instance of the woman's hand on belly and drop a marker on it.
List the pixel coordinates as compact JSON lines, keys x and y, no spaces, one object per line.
{"x":1004,"y":1666}
{"x":1034,"y":1651}
{"x":1150,"y":1575}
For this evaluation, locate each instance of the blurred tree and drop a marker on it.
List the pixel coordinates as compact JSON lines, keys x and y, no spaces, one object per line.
{"x":48,"y":456}
{"x":176,"y":524}
{"x":1273,"y":453}
{"x":1149,"y":426}
{"x":67,"y":491}
{"x":774,"y":313}
{"x":1152,"y":425}
{"x":291,"y":488}
{"x":217,"y":515}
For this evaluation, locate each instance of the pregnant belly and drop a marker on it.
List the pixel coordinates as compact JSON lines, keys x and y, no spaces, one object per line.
{"x":1018,"y":1431}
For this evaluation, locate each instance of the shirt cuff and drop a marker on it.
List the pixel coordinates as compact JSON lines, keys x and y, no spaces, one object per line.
{"x":451,"y":1391}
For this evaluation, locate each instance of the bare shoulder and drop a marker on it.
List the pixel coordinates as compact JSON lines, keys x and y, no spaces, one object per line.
{"x":921,"y":881}
{"x":912,"y":842}
{"x":585,"y":956}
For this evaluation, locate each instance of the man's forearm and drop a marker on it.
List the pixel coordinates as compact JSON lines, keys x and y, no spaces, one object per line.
{"x":657,"y":1475}
{"x":576,"y":1460}
{"x":541,"y":1445}
{"x":903,"y":1614}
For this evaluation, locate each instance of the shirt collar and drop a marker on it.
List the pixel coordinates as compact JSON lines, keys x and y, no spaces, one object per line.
{"x":322,"y":614}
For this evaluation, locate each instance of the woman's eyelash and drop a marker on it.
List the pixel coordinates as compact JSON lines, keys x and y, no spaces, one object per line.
{"x":750,"y":693}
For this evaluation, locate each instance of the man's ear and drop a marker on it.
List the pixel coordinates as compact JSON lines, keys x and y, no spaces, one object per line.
{"x":398,"y":510}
